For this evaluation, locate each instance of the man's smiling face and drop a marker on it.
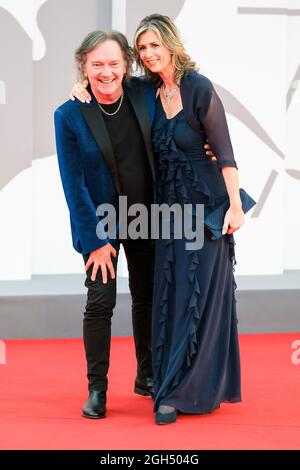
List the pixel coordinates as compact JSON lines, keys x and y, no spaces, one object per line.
{"x":105,"y":68}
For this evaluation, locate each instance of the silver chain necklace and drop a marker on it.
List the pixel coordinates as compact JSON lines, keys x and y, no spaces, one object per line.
{"x":118,"y":108}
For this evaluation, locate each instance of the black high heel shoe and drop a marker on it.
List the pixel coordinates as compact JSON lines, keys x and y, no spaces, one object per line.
{"x":166,"y":418}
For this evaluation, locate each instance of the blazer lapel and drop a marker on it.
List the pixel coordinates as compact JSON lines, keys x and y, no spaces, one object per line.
{"x":96,"y":124}
{"x":138,"y":101}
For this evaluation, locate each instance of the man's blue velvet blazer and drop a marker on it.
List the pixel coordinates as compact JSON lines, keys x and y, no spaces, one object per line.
{"x":86,"y":162}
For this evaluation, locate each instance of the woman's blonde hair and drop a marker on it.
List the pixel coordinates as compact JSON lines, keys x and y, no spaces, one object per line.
{"x":169,"y":36}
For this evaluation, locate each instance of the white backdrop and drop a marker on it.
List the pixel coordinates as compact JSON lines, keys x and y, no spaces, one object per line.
{"x":252,"y":56}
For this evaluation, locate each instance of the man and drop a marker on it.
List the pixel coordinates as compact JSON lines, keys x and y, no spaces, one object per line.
{"x":104,"y":150}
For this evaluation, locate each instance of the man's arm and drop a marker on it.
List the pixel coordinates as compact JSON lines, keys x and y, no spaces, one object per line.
{"x":81,"y":207}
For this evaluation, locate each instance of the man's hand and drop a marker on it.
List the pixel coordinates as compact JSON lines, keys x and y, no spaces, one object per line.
{"x":102,"y":258}
{"x":79,"y":91}
{"x":209,"y":152}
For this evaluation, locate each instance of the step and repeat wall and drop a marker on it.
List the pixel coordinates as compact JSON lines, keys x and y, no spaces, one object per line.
{"x":249,"y":49}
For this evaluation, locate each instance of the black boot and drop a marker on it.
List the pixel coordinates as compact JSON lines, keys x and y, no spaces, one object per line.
{"x":144,"y":386}
{"x":95,"y":406}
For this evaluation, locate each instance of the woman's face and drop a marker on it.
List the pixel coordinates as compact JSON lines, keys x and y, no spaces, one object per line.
{"x":154,"y":55}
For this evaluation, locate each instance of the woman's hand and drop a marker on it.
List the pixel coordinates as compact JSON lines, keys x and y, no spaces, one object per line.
{"x":209,"y":152}
{"x":79,"y":91}
{"x":233,"y":220}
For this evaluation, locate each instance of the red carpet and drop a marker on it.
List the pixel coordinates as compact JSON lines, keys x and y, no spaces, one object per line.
{"x":43,"y":387}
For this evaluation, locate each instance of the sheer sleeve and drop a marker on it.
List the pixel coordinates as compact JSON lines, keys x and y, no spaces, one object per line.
{"x":213,"y":118}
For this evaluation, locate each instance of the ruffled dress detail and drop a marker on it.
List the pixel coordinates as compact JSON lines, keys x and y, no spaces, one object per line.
{"x":194,"y":341}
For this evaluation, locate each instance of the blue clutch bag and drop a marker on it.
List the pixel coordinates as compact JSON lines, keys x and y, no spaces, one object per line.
{"x":214,"y":220}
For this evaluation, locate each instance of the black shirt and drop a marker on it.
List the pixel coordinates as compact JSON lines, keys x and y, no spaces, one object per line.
{"x":130,"y":153}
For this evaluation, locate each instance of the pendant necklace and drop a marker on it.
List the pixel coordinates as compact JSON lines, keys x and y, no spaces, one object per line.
{"x":169,"y":95}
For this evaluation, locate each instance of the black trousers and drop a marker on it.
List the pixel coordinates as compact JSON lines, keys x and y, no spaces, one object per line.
{"x":101,"y":300}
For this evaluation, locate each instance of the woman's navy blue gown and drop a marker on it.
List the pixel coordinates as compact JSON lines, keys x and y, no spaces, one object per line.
{"x":195,"y":342}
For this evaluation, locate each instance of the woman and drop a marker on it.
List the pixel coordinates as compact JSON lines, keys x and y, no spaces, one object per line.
{"x":194,"y":339}
{"x":195,"y":343}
